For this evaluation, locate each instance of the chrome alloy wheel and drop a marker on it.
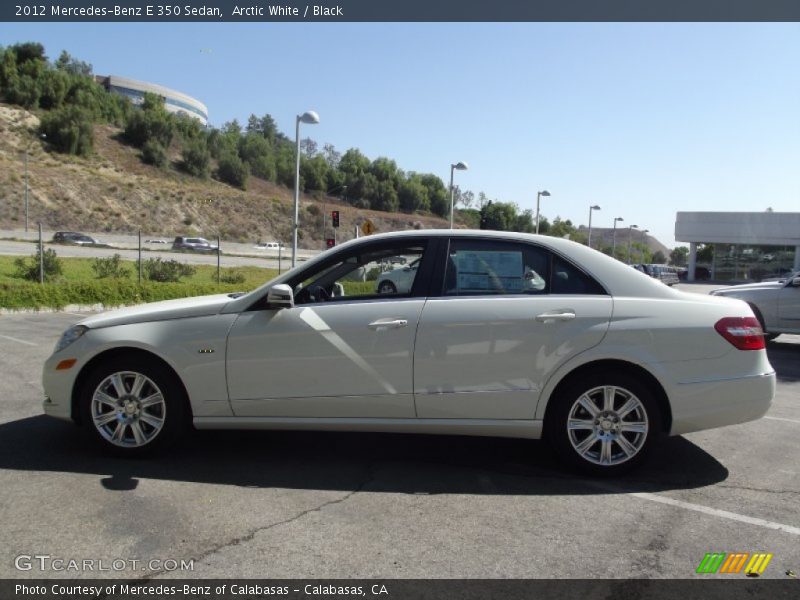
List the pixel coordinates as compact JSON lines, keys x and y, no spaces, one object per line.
{"x":128,"y":409}
{"x":607,"y":425}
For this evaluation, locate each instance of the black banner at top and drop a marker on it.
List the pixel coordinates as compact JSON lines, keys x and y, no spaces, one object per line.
{"x":397,"y":10}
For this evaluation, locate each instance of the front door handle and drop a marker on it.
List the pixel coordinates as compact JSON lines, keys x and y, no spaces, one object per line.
{"x":565,"y":315}
{"x":382,"y":324}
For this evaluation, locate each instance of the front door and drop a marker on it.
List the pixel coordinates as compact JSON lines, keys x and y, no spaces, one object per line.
{"x":345,"y":350}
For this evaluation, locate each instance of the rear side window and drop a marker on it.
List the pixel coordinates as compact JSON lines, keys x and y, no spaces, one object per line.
{"x":568,"y":279}
{"x":478,"y":267}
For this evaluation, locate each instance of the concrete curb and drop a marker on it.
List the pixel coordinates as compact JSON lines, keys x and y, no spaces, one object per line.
{"x":69,"y":308}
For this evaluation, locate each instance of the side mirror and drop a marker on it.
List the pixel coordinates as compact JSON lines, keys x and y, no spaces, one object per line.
{"x":280,"y":296}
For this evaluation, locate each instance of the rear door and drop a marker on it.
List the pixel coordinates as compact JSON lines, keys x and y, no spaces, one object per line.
{"x":509,"y":314}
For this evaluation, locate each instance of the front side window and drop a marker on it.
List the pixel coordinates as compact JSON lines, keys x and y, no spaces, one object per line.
{"x":362,"y":275}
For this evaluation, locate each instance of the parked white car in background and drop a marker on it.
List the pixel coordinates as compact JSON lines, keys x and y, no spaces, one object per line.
{"x":397,"y":281}
{"x":776,"y":304}
{"x":495,"y":334}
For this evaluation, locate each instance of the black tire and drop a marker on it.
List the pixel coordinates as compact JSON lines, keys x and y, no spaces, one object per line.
{"x":159,"y":380}
{"x":566,"y":442}
{"x":768,"y":337}
{"x":387,"y":287}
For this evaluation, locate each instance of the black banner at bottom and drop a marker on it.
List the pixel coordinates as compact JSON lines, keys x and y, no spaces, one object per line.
{"x":394,"y":589}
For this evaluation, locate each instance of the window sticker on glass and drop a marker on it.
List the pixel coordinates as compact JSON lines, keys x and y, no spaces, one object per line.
{"x":487,"y":270}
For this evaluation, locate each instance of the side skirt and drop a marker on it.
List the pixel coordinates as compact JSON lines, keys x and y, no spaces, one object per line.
{"x":529,"y":429}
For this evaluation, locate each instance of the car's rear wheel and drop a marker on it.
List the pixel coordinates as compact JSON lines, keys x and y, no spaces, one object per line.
{"x":133,"y":406}
{"x":604,"y":423}
{"x":768,"y":337}
{"x":387,"y":287}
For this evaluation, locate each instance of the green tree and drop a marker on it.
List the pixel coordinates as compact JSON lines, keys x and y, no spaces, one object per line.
{"x":152,"y":122}
{"x":69,"y":130}
{"x":196,"y":158}
{"x":413,"y":196}
{"x":232,"y":170}
{"x":153,"y":153}
{"x":679,"y":256}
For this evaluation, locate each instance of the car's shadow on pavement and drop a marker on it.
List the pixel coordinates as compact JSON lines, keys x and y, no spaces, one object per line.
{"x":783,"y":353}
{"x":395,"y":463}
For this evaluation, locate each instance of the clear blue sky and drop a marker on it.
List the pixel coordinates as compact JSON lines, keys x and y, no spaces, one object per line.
{"x":642,"y":119}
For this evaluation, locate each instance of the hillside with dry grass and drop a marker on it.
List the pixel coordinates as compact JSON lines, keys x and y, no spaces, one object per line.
{"x":113,"y":191}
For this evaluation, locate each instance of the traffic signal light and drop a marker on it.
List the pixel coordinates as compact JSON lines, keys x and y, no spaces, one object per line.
{"x":335,"y":218}
{"x":330,"y":242}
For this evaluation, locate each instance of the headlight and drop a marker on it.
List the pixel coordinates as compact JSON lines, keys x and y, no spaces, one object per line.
{"x":69,"y":336}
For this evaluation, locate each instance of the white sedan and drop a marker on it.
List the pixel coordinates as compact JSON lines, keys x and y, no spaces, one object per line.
{"x":596,"y":357}
{"x":776,"y":304}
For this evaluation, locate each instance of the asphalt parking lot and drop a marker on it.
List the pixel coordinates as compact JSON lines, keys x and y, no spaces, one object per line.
{"x":265,"y":504}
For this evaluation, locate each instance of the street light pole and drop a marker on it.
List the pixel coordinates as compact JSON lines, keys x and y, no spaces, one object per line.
{"x":311,"y":118}
{"x":27,"y":151}
{"x":27,"y":148}
{"x":591,"y":209}
{"x":538,"y":197}
{"x":614,"y":237}
{"x":461,"y":166}
{"x":644,"y":242}
{"x":630,"y":239}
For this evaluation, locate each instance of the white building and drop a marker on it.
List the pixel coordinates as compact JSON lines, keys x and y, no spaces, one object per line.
{"x":174,"y":102}
{"x":746,"y":234}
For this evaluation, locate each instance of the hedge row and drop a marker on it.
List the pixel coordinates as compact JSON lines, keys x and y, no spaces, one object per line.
{"x":108,"y":292}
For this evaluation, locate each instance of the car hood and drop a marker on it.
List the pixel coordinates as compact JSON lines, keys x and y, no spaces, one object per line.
{"x":160,"y":311}
{"x":750,"y":287}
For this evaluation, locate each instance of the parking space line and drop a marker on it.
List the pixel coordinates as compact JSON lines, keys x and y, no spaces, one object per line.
{"x":13,"y":339}
{"x":718,"y":513}
{"x":783,"y":419}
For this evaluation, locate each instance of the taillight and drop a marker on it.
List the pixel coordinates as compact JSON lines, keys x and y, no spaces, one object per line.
{"x":743,"y":332}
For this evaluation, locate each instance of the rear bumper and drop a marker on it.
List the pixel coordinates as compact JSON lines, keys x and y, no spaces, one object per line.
{"x":710,"y":404}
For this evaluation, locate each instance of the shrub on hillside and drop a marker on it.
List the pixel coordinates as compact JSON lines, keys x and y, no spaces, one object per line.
{"x":156,"y":269}
{"x":196,"y":157}
{"x":69,"y":130}
{"x":153,"y":153}
{"x":110,"y":267}
{"x":28,"y":268}
{"x":232,"y":170}
{"x":151,"y":122}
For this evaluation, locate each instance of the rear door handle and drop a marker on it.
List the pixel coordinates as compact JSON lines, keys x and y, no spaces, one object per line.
{"x":382,"y":324}
{"x":565,"y":315}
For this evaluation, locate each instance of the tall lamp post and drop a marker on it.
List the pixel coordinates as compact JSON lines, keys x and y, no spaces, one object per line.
{"x":538,"y":197}
{"x":461,"y":166}
{"x":630,"y":239}
{"x":614,"y":237}
{"x":591,"y":210}
{"x":27,"y":151}
{"x":309,"y":118}
{"x":644,"y":241}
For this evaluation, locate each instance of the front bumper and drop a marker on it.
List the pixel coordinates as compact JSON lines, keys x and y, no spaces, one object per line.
{"x":711,"y":404}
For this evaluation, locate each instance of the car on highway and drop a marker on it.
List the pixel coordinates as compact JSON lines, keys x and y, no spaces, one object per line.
{"x":193,"y":244}
{"x":268,"y":246}
{"x":75,"y":238}
{"x":496,"y":334}
{"x":776,"y":303}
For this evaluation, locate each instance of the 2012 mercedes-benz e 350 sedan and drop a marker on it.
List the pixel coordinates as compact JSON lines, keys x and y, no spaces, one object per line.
{"x":598,"y":358}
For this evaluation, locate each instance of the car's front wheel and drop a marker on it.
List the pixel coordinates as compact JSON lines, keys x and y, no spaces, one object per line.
{"x":133,"y":405}
{"x":387,"y":287}
{"x":604,"y":423}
